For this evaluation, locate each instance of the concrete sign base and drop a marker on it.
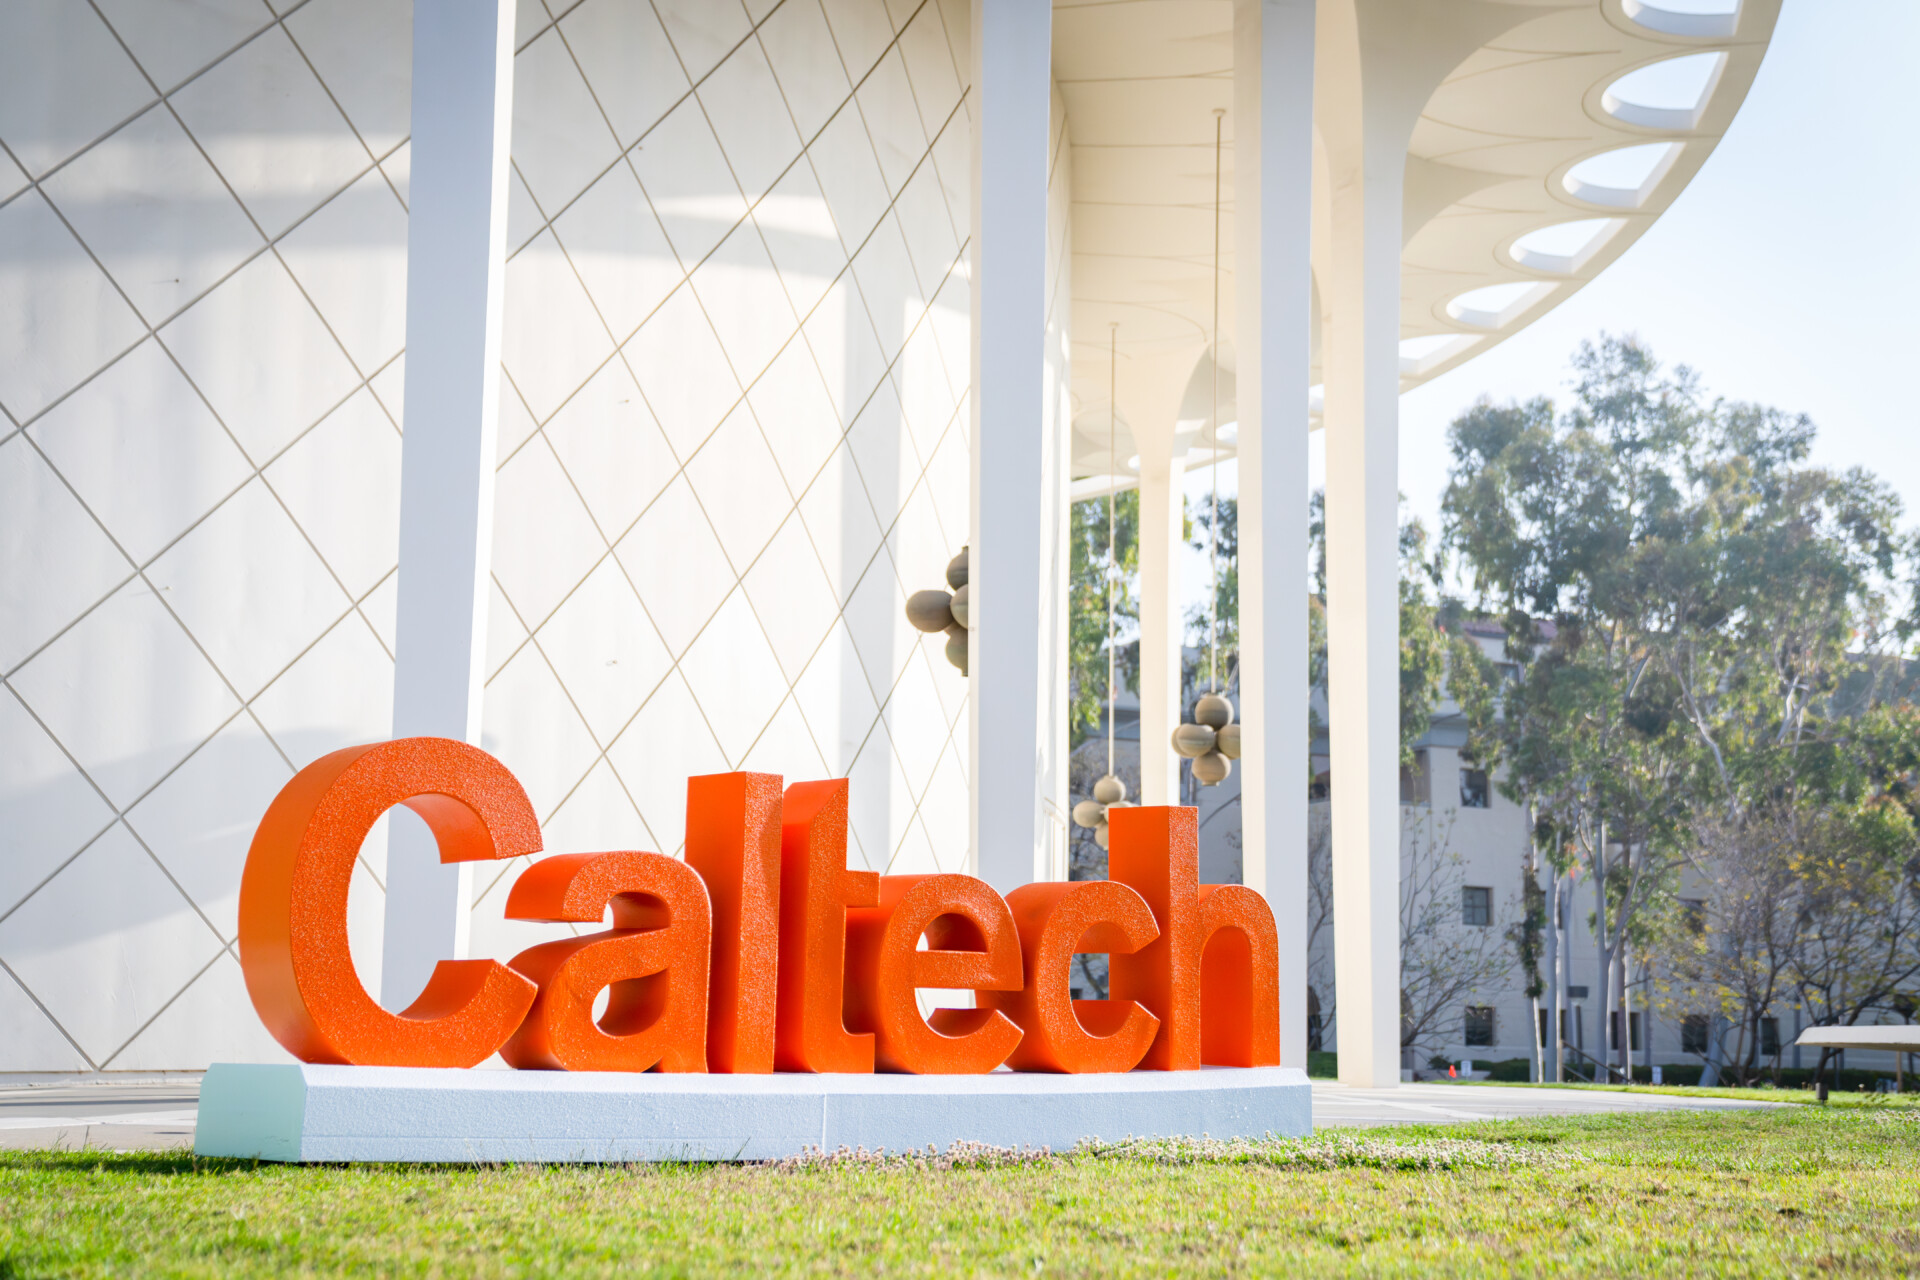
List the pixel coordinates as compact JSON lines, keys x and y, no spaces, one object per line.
{"x":309,"y":1113}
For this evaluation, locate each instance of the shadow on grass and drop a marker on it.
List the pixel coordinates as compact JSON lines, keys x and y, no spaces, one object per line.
{"x":153,"y":1163}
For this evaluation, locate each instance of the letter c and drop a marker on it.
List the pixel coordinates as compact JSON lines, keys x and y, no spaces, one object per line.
{"x":1063,"y":1034}
{"x":293,"y":905}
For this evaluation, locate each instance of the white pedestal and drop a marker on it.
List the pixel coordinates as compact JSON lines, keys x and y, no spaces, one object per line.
{"x":328,"y":1113}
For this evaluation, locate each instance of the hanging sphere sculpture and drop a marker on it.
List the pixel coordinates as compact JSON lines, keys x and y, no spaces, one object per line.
{"x":1211,"y":741}
{"x":1108,"y":794}
{"x":935,"y":610}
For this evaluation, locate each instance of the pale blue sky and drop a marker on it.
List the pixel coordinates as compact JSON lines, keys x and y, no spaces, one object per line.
{"x":1787,"y":273}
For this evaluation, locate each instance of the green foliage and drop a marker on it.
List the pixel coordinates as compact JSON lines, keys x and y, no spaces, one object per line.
{"x":1706,"y":639}
{"x":1225,"y":546}
{"x":1423,"y":639}
{"x":1095,"y":578}
{"x":1423,"y":643}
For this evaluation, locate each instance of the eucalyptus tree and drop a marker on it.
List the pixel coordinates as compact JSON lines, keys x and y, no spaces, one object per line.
{"x":1549,"y":515}
{"x":1690,"y":601}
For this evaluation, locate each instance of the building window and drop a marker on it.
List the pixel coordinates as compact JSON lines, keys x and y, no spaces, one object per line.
{"x":1546,"y":1021}
{"x":1315,"y":1036}
{"x":1476,"y":905}
{"x":1693,"y":911}
{"x":1320,"y":781}
{"x":1416,"y":781}
{"x":1693,"y":1033}
{"x":1633,"y":1031}
{"x":1473,"y":789}
{"x":1479,"y":1025}
{"x":1769,"y":1037}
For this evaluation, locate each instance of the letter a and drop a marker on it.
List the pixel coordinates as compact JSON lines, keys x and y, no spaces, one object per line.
{"x":652,"y":964}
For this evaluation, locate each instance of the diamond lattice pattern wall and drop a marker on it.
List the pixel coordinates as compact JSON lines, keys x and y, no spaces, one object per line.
{"x":733,"y":438}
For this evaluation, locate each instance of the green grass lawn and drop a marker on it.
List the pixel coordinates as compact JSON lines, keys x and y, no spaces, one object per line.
{"x":1805,"y":1097}
{"x":1786,"y":1191}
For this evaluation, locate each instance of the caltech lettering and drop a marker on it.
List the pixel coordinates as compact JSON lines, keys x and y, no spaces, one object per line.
{"x":761,"y":952}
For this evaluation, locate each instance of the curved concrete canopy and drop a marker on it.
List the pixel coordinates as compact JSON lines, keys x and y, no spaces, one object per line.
{"x":1541,"y":157}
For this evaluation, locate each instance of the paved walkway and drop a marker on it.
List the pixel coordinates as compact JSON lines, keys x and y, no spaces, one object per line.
{"x":149,"y":1117}
{"x":116,"y":1117}
{"x":1336,"y":1105}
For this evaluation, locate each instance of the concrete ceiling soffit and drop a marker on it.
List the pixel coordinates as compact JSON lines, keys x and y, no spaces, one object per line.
{"x":1379,"y":61}
{"x":1525,"y":110}
{"x":1141,"y":39}
{"x":1432,"y":187}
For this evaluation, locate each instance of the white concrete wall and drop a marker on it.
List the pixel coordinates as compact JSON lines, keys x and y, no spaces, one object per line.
{"x":732,"y":440}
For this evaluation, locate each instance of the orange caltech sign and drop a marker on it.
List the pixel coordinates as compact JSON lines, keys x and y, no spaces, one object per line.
{"x":760,"y":952}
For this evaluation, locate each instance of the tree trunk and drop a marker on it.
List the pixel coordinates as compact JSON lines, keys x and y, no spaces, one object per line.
{"x":1646,"y":1027}
{"x":1557,"y":965}
{"x":1603,"y":950}
{"x":1716,"y":1052}
{"x":1533,"y":979}
{"x":1626,"y":1016}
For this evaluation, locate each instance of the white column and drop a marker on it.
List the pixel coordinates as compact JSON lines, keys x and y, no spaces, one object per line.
{"x":1273,"y":166}
{"x":456,"y":238}
{"x":1162,"y":473}
{"x":1376,"y":64}
{"x":1011,"y":99}
{"x":1362,"y":334}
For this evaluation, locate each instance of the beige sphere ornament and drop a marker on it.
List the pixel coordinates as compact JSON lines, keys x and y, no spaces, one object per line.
{"x":935,"y":610}
{"x":1211,"y":769}
{"x":1193,"y":740}
{"x":1108,"y":794}
{"x":957,"y":648}
{"x":1226,"y":741}
{"x":930,"y":611}
{"x":1213,"y":711}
